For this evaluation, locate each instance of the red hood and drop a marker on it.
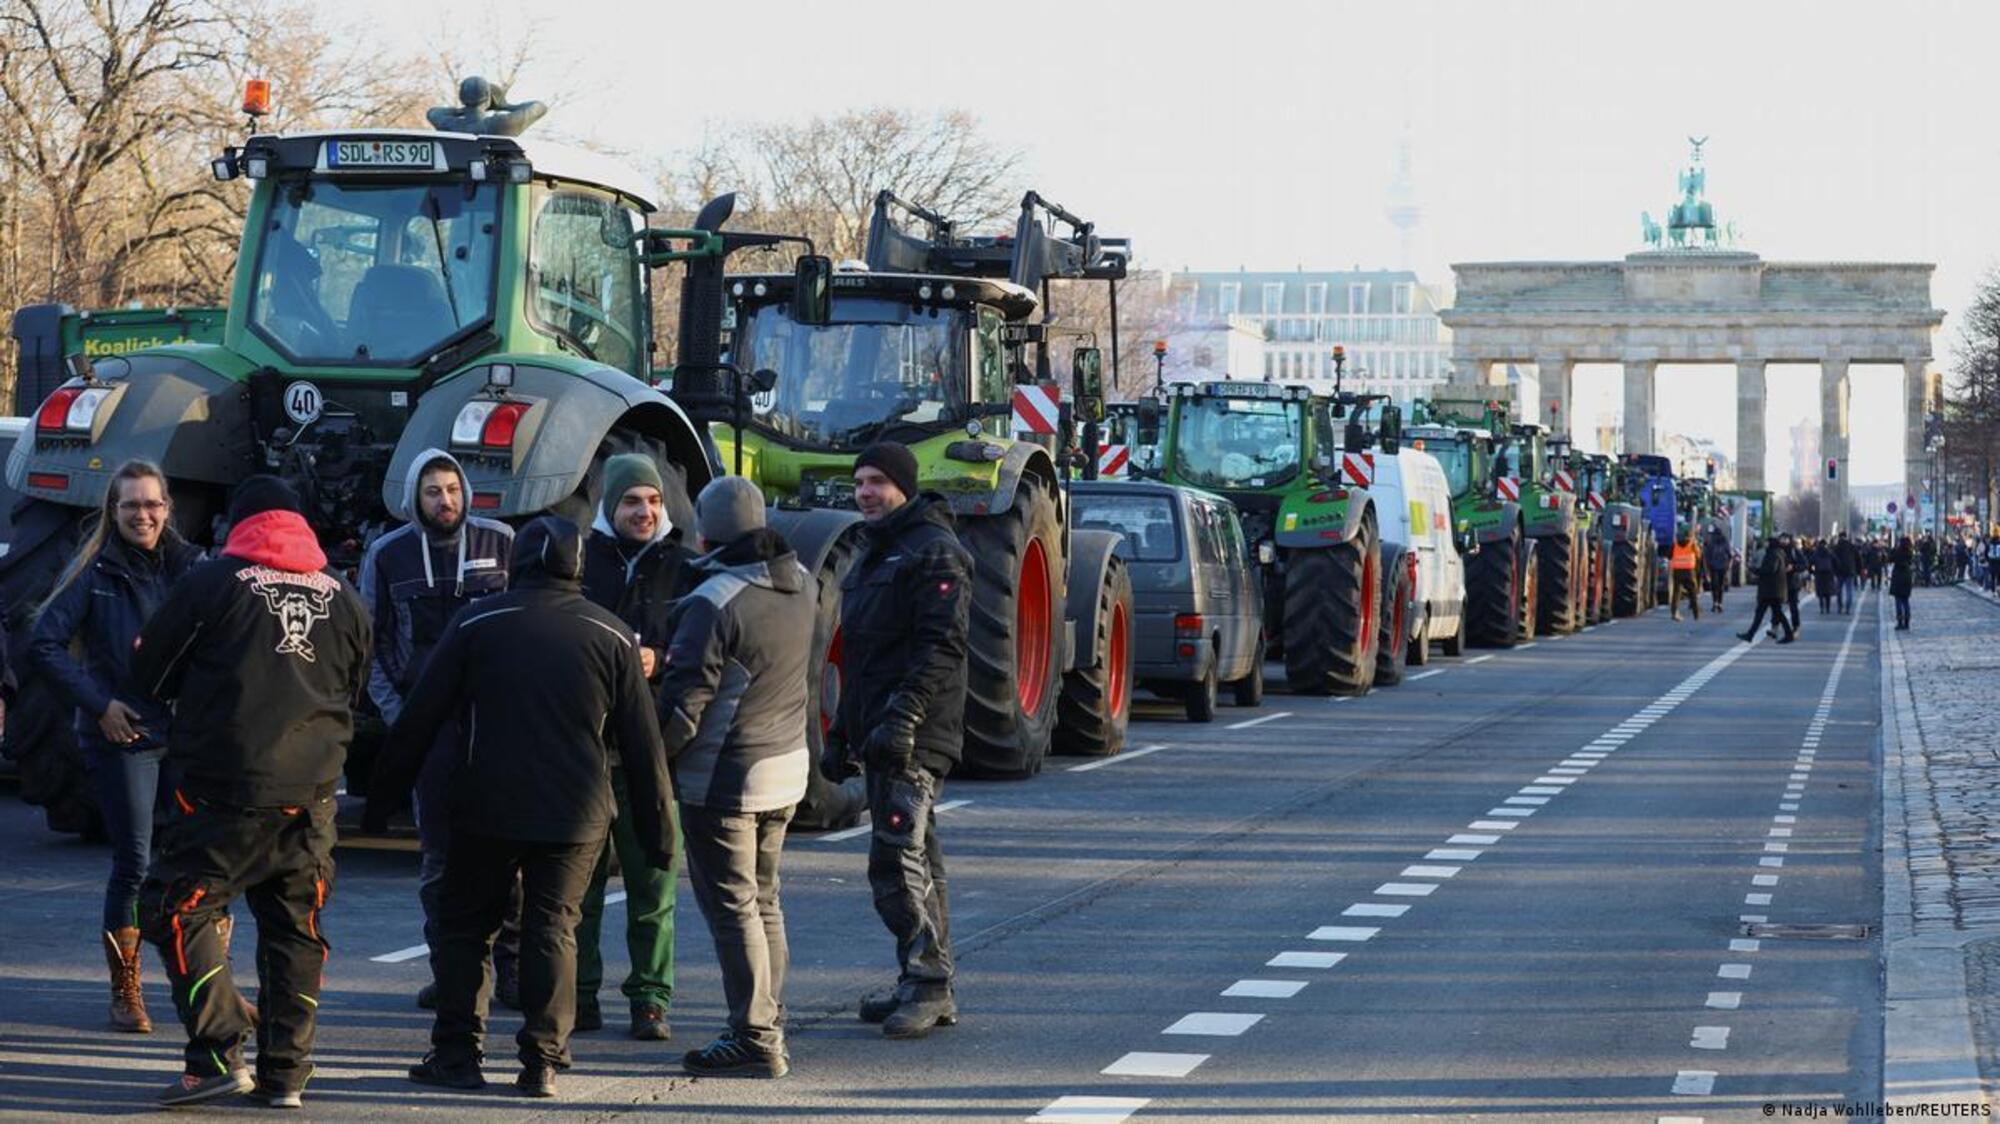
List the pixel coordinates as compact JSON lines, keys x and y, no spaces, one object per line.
{"x":282,"y":540}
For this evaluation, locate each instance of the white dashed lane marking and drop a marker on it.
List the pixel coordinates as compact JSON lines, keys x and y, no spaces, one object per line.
{"x":1214,"y":1024}
{"x":1091,"y":1110}
{"x":1249,"y":722}
{"x":1104,"y":761}
{"x":1140,"y":1063}
{"x":1305,"y":960}
{"x":1263,"y":989}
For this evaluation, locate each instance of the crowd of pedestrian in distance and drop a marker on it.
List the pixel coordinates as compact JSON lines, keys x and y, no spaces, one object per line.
{"x":554,"y":695}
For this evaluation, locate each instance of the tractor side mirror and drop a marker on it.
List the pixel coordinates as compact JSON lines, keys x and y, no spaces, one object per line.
{"x":763,"y":380}
{"x":1149,"y":421}
{"x":1087,"y":363}
{"x":1355,"y":438}
{"x":1391,"y":431}
{"x":812,"y":290}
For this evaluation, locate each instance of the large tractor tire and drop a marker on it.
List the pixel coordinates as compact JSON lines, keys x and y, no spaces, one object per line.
{"x":1096,"y":704}
{"x":1493,"y":593}
{"x":1014,"y":646}
{"x":1561,"y":576}
{"x":1629,"y":579}
{"x":1333,"y":602}
{"x":828,"y":806}
{"x":1394,"y":647}
{"x":1530,"y":578}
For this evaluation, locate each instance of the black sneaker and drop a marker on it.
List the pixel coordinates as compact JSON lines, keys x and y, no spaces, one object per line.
{"x":275,"y":1095}
{"x":589,"y":1016}
{"x":190,"y":1089}
{"x":537,"y":1081}
{"x":434,"y":1070}
{"x":729,"y":1055}
{"x":914,"y":1018}
{"x":649,"y":1023}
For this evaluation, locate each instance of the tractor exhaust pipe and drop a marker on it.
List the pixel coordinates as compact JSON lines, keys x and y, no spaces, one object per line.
{"x":701,"y":387}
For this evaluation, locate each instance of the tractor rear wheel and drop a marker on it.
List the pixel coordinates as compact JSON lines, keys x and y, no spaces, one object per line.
{"x":1394,"y":647}
{"x":1493,"y":593}
{"x":1559,"y":577}
{"x":1096,"y":704}
{"x":1628,"y":580}
{"x":828,"y":806}
{"x":1333,"y":598}
{"x":1013,"y":644}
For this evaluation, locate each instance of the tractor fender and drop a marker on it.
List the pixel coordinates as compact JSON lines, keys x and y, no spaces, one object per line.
{"x":569,"y":414}
{"x":1021,"y":459}
{"x":812,"y":534}
{"x":165,"y":407}
{"x":1312,"y":535}
{"x":1504,"y":527}
{"x":1089,"y":557}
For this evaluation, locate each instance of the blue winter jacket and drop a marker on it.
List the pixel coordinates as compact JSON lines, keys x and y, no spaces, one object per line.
{"x":105,"y":607}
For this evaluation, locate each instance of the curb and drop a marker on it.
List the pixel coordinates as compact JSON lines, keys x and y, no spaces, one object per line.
{"x":1929,"y":1055}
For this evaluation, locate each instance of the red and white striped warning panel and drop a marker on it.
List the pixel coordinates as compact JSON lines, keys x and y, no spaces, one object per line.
{"x":1358,"y":469}
{"x":1564,"y":481}
{"x":1596,"y":500}
{"x":1114,"y":461}
{"x":1510,"y":489}
{"x":1036,"y":409}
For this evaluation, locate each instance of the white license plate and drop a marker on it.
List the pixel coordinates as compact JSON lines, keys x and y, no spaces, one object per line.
{"x":351,"y":155}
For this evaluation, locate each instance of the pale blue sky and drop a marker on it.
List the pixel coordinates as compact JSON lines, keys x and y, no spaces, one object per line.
{"x":1262,"y":134}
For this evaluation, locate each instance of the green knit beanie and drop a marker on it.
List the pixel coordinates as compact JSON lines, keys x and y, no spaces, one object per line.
{"x":626,"y":471}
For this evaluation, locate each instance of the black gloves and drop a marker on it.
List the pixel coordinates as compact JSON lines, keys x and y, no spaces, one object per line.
{"x":890,"y":745}
{"x":837,"y":762}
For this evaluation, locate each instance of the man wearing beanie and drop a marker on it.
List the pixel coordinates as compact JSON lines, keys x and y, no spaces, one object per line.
{"x":632,"y":566}
{"x":547,"y":682}
{"x":733,"y":715}
{"x":903,"y":620}
{"x":261,"y":651}
{"x":413,"y":579}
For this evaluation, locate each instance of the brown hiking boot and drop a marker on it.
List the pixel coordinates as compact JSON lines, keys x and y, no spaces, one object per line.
{"x":128,"y":1004}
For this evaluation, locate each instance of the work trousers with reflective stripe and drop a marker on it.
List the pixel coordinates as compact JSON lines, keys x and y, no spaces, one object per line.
{"x":281,"y":861}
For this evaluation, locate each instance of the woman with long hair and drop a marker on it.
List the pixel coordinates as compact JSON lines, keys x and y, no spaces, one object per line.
{"x":120,"y":574}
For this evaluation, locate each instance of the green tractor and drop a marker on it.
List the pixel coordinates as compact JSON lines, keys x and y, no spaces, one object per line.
{"x":1634,"y":545}
{"x":1471,"y":440}
{"x":927,"y":342}
{"x":1591,"y":474}
{"x":1296,"y":465}
{"x":468,"y":288}
{"x":1547,"y":492}
{"x":46,"y":336}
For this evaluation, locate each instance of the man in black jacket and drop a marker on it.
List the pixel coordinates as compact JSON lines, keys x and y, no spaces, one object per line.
{"x":903,"y":619}
{"x":262,"y":653}
{"x":1846,"y":568}
{"x":1774,"y":581}
{"x":632,"y":566}
{"x":544,"y":679}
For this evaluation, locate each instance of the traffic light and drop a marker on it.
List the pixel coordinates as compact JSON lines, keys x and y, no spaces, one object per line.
{"x":1832,"y":468}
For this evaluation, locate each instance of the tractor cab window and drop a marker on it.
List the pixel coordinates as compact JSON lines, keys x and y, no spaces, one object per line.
{"x":990,"y":383}
{"x":1238,"y":442}
{"x":1511,"y":462}
{"x":1455,"y":457}
{"x":584,"y":278}
{"x":373,"y":273}
{"x":878,"y":363}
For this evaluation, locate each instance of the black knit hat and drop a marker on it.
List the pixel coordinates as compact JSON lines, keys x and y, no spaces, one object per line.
{"x":259,"y":494}
{"x":895,"y":461}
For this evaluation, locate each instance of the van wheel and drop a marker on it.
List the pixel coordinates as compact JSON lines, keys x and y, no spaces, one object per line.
{"x":1454,"y":645}
{"x":1393,"y":647}
{"x":1420,"y":645}
{"x":1201,"y":696}
{"x":1249,"y":690}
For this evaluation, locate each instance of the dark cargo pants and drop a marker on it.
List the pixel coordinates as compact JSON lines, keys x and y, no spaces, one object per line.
{"x":281,"y":861}
{"x":480,"y":873}
{"x":733,"y":867}
{"x":909,"y":885}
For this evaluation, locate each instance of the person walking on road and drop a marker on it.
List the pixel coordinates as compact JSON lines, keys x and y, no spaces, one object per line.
{"x":1716,"y":559}
{"x":632,"y":565}
{"x":262,"y":652}
{"x":119,"y":575}
{"x":1824,"y":581}
{"x":1846,"y":569}
{"x":1773,"y":579}
{"x":1685,"y":564}
{"x":545,"y":680}
{"x":1798,"y":577}
{"x":1902,"y":577}
{"x":904,"y":616}
{"x":414,"y":579}
{"x":1992,"y":563}
{"x":733,"y":716}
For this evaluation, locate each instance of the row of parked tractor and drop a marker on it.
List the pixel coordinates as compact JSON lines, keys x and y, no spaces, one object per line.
{"x":483,"y":291}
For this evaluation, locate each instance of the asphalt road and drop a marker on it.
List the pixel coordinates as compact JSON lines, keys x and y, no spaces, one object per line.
{"x":1517,"y":887}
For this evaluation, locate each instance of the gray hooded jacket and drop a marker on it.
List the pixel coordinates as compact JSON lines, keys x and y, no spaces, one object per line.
{"x":733,"y":699}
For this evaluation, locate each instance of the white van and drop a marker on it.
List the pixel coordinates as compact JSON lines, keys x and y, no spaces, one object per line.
{"x":1413,"y":508}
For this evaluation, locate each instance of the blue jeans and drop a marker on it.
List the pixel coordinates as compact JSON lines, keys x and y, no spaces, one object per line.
{"x":1847,"y":593}
{"x":131,"y":786}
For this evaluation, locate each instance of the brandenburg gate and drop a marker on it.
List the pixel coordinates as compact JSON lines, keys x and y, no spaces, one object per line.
{"x":1690,"y":298}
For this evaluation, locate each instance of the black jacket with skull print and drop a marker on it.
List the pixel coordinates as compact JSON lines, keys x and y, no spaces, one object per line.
{"x":262,"y":652}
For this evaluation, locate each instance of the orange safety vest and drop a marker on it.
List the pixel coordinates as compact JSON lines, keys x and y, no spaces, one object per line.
{"x":1685,"y":555}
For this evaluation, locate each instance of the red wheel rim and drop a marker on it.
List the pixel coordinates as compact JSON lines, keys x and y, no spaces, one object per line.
{"x":1115,"y":683}
{"x":829,"y":684}
{"x":1032,"y":627}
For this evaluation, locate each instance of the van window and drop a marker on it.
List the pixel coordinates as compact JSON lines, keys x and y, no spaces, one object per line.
{"x":1232,"y":539}
{"x":1152,"y":534}
{"x":1207,"y":535}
